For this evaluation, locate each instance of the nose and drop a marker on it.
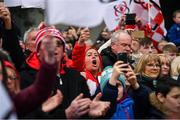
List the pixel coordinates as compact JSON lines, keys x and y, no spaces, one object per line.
{"x":150,"y":50}
{"x":8,"y":80}
{"x":128,"y":48}
{"x":165,"y":66}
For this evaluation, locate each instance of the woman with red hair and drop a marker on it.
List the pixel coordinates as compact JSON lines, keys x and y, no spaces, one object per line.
{"x":87,"y":60}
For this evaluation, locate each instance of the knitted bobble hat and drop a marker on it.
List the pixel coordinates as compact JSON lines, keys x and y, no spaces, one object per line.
{"x":48,"y":31}
{"x":106,"y":75}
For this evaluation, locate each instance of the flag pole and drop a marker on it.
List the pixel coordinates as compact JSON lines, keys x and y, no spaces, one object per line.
{"x":149,"y":18}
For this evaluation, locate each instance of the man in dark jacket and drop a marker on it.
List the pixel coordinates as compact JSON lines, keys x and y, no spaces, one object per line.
{"x":120,"y":43}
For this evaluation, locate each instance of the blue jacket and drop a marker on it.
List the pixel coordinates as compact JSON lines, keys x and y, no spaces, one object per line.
{"x":124,"y":109}
{"x":174,"y":34}
{"x":133,"y":105}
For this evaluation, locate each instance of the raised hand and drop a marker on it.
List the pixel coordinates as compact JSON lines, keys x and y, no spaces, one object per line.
{"x":43,"y":24}
{"x":48,"y":47}
{"x":131,"y":78}
{"x":118,"y":68}
{"x":98,"y":108}
{"x":78,"y":107}
{"x":73,"y":32}
{"x":52,"y":102}
{"x":122,"y":22}
{"x":139,"y":22}
{"x":84,"y":36}
{"x":5,"y":15}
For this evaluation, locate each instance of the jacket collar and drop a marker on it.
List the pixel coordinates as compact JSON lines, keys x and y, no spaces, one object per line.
{"x":157,"y":105}
{"x":34,"y":62}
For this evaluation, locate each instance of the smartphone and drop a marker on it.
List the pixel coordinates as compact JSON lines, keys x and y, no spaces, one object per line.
{"x":122,"y":57}
{"x":130,"y":19}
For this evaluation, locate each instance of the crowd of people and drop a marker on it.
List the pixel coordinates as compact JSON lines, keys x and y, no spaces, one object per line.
{"x":54,"y":73}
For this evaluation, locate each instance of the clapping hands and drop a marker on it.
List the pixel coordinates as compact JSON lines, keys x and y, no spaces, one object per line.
{"x":78,"y":107}
{"x":98,"y":108}
{"x":81,"y":106}
{"x":52,"y":102}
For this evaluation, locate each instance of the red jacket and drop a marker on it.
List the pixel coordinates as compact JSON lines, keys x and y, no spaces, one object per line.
{"x":78,"y":58}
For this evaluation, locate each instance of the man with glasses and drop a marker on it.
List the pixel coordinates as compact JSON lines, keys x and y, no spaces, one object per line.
{"x":120,"y":43}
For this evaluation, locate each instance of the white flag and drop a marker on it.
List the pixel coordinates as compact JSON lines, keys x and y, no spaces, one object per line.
{"x":83,"y":13}
{"x":25,"y":3}
{"x":12,"y":3}
{"x":6,"y":111}
{"x":150,"y":12}
{"x":33,"y":4}
{"x":113,"y":13}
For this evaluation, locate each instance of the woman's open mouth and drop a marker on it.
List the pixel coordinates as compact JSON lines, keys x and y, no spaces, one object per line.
{"x":94,"y":62}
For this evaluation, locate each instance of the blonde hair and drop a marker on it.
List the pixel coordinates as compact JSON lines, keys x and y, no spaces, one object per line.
{"x":144,"y":59}
{"x":175,"y":66}
{"x":164,"y":56}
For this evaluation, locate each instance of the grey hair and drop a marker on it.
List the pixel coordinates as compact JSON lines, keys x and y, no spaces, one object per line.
{"x":25,"y":38}
{"x":115,"y":36}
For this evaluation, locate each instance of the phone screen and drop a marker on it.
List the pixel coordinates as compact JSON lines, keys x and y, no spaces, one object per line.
{"x":130,"y":19}
{"x":122,"y":57}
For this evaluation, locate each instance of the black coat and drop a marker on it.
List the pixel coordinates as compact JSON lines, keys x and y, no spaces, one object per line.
{"x":147,"y":81}
{"x":154,"y":113}
{"x":108,"y":57}
{"x":71,"y":84}
{"x":11,"y":44}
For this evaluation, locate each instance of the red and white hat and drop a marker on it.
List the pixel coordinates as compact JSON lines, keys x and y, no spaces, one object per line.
{"x":47,"y":31}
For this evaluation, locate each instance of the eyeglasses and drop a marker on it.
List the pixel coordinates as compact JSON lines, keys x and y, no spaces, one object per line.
{"x":124,"y":45}
{"x":12,"y":78}
{"x":154,"y":65}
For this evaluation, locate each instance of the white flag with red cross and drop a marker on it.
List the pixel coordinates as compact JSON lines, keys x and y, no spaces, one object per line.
{"x":150,"y":13}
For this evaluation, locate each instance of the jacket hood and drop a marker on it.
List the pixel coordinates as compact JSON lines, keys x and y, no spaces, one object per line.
{"x":156,"y":104}
{"x":33,"y":61}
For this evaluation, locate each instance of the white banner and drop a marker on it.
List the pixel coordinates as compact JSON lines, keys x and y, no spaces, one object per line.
{"x":25,"y":3}
{"x":113,"y":13}
{"x":12,"y":3}
{"x":140,"y":11}
{"x":6,"y":110}
{"x":33,"y":4}
{"x":83,"y":13}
